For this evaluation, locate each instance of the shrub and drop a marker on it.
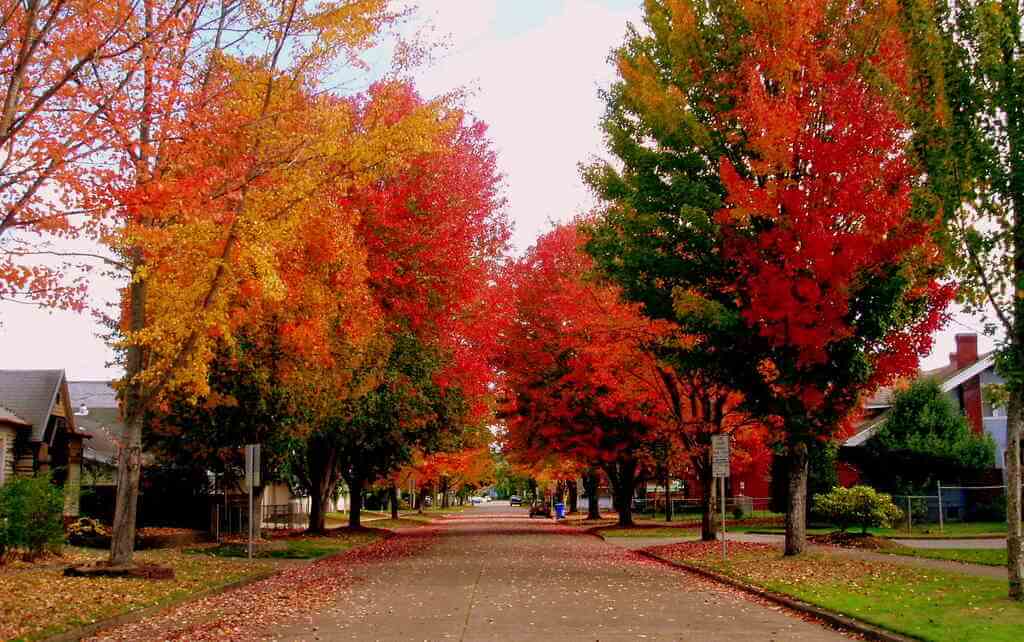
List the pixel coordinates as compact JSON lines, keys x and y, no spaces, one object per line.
{"x":923,"y":438}
{"x":861,"y":505}
{"x":88,"y":532}
{"x":30,"y":514}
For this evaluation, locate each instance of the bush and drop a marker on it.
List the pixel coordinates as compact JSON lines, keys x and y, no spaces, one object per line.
{"x":861,"y":505}
{"x":924,"y":438}
{"x":88,"y":532}
{"x":991,"y":510}
{"x":30,"y":515}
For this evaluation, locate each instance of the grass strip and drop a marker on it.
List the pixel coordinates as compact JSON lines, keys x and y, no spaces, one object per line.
{"x":305,"y":547}
{"x":922,"y":603}
{"x":983,"y":556}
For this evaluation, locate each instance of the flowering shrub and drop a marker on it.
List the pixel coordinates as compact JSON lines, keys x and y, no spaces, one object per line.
{"x":88,"y":532}
{"x":861,"y":505}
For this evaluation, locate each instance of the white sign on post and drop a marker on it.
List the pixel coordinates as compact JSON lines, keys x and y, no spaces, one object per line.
{"x":252,"y":465}
{"x":720,"y":455}
{"x":720,"y":470}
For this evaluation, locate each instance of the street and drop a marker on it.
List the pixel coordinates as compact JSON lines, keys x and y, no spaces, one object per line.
{"x":494,"y":574}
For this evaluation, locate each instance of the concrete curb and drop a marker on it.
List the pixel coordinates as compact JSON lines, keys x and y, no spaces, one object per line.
{"x":869,"y":631}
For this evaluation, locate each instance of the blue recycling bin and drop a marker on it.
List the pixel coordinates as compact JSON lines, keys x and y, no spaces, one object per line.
{"x":559,"y":510}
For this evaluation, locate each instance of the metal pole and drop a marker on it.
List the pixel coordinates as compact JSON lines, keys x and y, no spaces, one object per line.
{"x":250,"y":518}
{"x":910,"y":525}
{"x":939,"y":486}
{"x":723,"y":517}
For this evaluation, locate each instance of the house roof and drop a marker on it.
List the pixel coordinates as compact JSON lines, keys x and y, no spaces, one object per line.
{"x":104,"y":424}
{"x":8,"y":416}
{"x":92,"y":394}
{"x":30,"y":394}
{"x":102,"y":418}
{"x":949,"y":377}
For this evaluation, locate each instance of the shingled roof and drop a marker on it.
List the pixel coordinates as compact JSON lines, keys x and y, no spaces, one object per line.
{"x":92,"y":394}
{"x":30,"y":395}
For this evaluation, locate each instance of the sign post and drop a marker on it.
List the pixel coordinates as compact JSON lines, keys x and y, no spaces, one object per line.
{"x":252,"y":478}
{"x":720,"y":471}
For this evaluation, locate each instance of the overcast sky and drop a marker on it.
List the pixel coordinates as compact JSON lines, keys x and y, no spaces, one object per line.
{"x":532,"y":68}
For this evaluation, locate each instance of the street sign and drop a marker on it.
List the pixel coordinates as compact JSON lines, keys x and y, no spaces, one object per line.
{"x":720,"y":455}
{"x":252,"y":465}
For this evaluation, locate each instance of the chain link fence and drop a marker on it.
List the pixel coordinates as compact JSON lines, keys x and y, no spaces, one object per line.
{"x":954,"y":510}
{"x":737,"y":507}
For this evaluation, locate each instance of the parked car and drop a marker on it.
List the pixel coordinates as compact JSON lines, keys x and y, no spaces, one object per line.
{"x":515,"y":500}
{"x":476,"y":501}
{"x":541,"y":509}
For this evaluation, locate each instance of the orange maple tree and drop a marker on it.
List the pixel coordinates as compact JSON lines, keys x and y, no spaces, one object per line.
{"x":571,"y":357}
{"x":832,"y":268}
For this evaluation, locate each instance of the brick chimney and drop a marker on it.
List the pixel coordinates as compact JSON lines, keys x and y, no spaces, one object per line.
{"x":970,"y":391}
{"x":966,"y":351}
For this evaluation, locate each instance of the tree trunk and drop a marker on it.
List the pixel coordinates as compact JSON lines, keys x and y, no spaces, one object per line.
{"x":355,"y":504}
{"x":622,"y":475}
{"x":1014,"y":563}
{"x":129,"y":465}
{"x":421,"y":498}
{"x":129,"y":462}
{"x":321,"y":462}
{"x":591,"y":484}
{"x":708,"y":525}
{"x":444,"y":492}
{"x":393,"y":497}
{"x":319,"y":500}
{"x":796,"y":503}
{"x":573,"y":497}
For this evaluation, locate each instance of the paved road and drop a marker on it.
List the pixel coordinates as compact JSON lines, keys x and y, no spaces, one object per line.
{"x":494,"y":574}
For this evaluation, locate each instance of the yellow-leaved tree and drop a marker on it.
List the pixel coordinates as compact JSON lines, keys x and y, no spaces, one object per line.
{"x":231,"y":154}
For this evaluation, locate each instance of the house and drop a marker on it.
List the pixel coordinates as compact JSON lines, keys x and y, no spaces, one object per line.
{"x":963,"y":379}
{"x":38,"y":431}
{"x":98,"y":413}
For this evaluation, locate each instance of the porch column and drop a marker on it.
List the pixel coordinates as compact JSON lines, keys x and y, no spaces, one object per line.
{"x":73,"y":482}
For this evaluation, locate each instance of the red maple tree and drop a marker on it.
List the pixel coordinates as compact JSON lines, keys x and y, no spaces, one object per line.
{"x":833,"y":268}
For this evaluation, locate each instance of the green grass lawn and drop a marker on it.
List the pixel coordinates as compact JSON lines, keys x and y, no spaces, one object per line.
{"x":949,"y":530}
{"x":930,"y":605}
{"x":37,"y":601}
{"x":447,"y":511}
{"x":406,"y":521}
{"x":927,"y":531}
{"x":984,"y":556}
{"x":342,"y":516}
{"x":304,"y":547}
